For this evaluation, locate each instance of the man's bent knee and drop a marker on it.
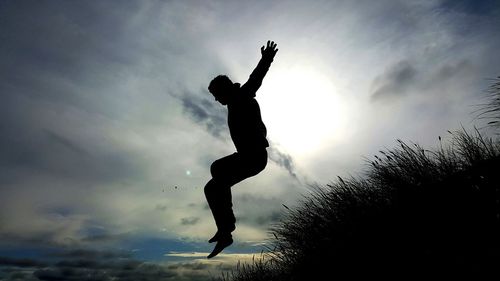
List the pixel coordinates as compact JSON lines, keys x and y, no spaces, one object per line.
{"x":215,"y":169}
{"x":209,"y":187}
{"x":257,"y":165}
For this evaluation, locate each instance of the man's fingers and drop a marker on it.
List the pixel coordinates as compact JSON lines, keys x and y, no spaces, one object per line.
{"x":272,"y":45}
{"x":269,"y":48}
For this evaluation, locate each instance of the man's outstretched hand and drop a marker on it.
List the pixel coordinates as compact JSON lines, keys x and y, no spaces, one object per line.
{"x":269,"y":51}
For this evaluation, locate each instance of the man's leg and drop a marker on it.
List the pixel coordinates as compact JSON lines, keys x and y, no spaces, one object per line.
{"x":219,"y":200}
{"x":226,"y":172}
{"x":218,"y":192}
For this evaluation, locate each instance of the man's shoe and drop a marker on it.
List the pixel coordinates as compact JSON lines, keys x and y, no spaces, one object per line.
{"x":222,"y":243}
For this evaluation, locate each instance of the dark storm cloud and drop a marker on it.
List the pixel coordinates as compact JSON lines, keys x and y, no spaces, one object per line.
{"x":91,"y":254}
{"x":123,"y":271}
{"x":44,"y":238}
{"x":6,"y":261}
{"x":84,"y":264}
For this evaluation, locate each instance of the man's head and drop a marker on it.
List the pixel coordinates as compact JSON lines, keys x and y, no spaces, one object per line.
{"x":221,"y":88}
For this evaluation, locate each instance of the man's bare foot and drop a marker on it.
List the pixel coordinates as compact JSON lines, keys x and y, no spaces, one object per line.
{"x":219,"y":233}
{"x":222,"y":242}
{"x":215,"y":238}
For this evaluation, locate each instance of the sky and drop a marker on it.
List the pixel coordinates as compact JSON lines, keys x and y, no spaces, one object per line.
{"x":108,"y":129}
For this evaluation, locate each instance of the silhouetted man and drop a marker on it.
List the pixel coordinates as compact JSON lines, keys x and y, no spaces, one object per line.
{"x":248,"y":133}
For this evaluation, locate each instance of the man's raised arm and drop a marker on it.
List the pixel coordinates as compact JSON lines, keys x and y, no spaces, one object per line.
{"x":255,"y":80}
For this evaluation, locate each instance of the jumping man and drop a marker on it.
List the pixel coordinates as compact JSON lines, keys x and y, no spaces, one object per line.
{"x":248,"y":133}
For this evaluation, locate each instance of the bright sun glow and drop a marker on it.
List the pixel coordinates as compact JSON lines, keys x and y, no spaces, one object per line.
{"x":302,"y":110}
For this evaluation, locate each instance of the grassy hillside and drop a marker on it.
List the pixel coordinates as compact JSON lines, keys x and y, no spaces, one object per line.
{"x":416,"y":213}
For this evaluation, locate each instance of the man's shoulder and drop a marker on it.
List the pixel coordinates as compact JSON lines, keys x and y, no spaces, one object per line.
{"x":246,"y":92}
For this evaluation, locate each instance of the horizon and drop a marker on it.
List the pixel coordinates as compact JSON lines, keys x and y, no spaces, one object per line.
{"x":108,"y":129}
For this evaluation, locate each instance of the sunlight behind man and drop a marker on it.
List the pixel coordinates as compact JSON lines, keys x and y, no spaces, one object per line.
{"x":303,"y":109}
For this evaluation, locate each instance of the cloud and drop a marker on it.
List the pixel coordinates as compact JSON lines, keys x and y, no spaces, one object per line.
{"x":90,"y":270}
{"x":190,"y":221}
{"x":6,"y":261}
{"x":103,"y":238}
{"x":258,"y":210}
{"x":450,"y":43}
{"x":84,"y":264}
{"x":282,"y":159}
{"x":409,"y":78}
{"x":470,"y":6}
{"x":395,"y":81}
{"x":449,"y":73}
{"x":205,"y":113}
{"x":63,"y":141}
{"x":91,"y":254}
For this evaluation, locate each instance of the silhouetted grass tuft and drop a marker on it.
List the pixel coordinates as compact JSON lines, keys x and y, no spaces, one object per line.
{"x":261,"y":269}
{"x":415,"y":213}
{"x":491,"y":110}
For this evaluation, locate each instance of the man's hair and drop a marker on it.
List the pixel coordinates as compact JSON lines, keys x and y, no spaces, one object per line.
{"x":219,"y":82}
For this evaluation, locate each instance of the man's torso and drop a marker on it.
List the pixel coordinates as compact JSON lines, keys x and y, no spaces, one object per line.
{"x":247,"y":130}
